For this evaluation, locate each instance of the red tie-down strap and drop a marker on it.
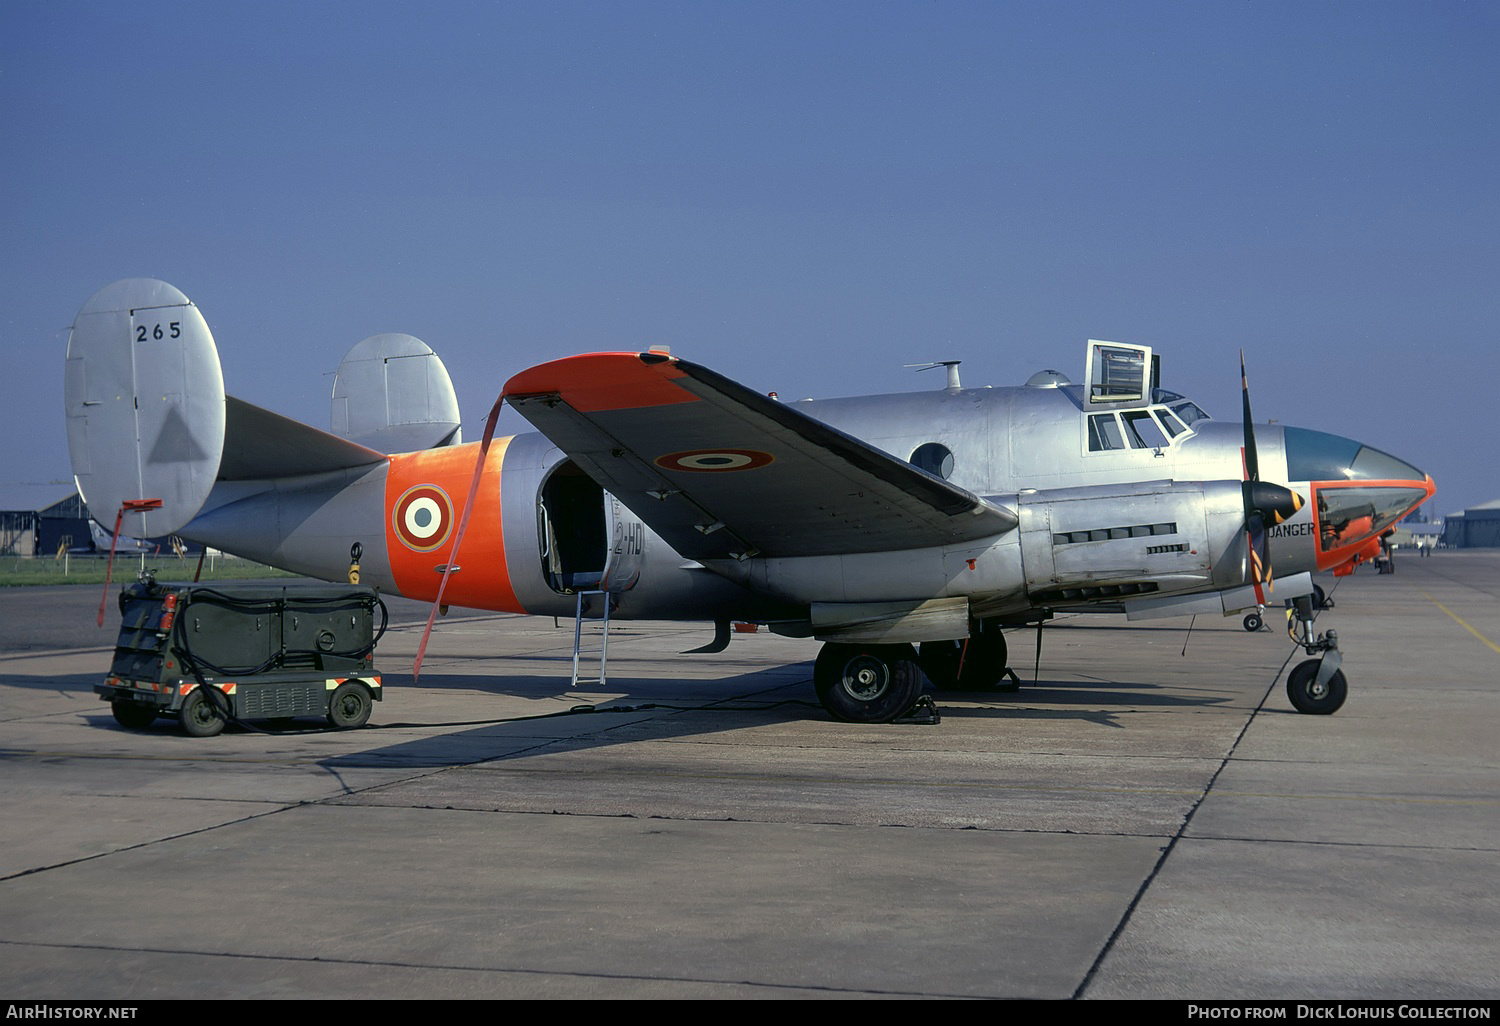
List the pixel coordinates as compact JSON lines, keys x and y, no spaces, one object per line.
{"x":463,"y":523}
{"x":128,"y":506}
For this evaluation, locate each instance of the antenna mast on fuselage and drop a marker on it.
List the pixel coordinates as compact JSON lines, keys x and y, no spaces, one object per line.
{"x":952,"y":366}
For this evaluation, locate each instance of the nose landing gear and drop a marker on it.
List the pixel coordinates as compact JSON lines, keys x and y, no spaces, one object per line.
{"x":1315,"y":686}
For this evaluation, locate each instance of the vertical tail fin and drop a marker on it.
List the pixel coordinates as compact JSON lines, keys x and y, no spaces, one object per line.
{"x":392,"y":393}
{"x":144,"y":397}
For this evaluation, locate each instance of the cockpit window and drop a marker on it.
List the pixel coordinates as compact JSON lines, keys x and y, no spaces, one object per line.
{"x":1317,"y":456}
{"x":1190,"y":412}
{"x":1373,"y":465}
{"x":1104,"y":433}
{"x":1135,"y":429}
{"x":1144,"y":434}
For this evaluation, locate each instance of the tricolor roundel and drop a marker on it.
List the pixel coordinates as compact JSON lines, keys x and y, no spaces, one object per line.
{"x":423,"y":517}
{"x":701,"y":461}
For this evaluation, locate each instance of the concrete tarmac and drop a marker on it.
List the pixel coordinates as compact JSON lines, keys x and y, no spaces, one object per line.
{"x":1139,"y":823}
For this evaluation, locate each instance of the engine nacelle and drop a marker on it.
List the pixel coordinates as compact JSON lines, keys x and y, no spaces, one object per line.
{"x":1108,"y":542}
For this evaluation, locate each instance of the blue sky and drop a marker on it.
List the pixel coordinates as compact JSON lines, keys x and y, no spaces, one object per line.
{"x":804,"y":196}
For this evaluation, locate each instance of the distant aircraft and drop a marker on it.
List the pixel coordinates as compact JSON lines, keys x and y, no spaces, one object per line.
{"x":104,"y":541}
{"x":902,"y":531}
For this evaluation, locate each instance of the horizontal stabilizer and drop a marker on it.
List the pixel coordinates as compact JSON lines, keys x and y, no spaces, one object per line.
{"x":721,"y":471}
{"x":261,"y":444}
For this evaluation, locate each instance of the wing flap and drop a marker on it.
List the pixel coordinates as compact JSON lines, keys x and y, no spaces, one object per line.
{"x":721,"y":471}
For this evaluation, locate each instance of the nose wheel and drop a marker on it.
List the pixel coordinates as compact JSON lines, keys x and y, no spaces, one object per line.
{"x":1311,"y":693}
{"x":1315,"y":686}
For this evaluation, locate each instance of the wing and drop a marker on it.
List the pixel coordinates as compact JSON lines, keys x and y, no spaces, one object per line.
{"x":720,"y":471}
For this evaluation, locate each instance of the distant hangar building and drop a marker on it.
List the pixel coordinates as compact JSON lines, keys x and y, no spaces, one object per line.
{"x":44,"y":532}
{"x":1477,"y":527}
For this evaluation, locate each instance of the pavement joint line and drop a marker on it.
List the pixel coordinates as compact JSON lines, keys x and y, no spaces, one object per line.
{"x":34,"y":870}
{"x":46,"y":653}
{"x":1341,"y":844}
{"x":348,"y":792}
{"x":448,"y":967}
{"x":486,"y":764}
{"x":1460,"y":621}
{"x":1171,"y":845}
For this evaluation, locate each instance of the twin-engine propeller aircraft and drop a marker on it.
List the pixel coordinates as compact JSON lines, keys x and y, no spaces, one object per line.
{"x":902,"y":531}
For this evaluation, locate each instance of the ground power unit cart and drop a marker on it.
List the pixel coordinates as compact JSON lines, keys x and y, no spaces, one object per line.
{"x":228,"y":651}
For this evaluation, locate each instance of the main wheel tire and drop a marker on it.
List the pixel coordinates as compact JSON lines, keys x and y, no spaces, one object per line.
{"x":202,"y":715}
{"x":1253,"y":622}
{"x":1302,"y":688}
{"x":1319,"y":597}
{"x":950,"y":667}
{"x":940,"y":661}
{"x":867,"y":683}
{"x":135,"y":715}
{"x":350,"y":706}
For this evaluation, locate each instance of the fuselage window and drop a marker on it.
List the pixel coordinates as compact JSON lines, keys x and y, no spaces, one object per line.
{"x":935,"y":458}
{"x":1169,"y":423}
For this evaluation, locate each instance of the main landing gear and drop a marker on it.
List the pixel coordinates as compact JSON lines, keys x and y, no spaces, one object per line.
{"x":881,"y":683}
{"x":867,"y":683}
{"x":977,"y":663}
{"x":1316,"y":686}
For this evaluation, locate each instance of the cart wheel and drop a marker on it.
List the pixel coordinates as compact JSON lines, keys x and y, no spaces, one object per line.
{"x":203,"y":716}
{"x":350,"y":706}
{"x":134,"y":715}
{"x":1253,"y":622}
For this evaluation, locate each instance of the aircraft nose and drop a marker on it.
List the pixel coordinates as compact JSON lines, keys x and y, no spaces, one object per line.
{"x":1357,"y":491}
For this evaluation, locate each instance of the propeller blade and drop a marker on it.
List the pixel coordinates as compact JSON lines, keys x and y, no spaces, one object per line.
{"x":1258,"y":556}
{"x":1263,"y":501}
{"x":1252,"y":462}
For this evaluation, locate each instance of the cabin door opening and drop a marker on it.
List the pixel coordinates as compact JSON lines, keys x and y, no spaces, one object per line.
{"x":571,"y":529}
